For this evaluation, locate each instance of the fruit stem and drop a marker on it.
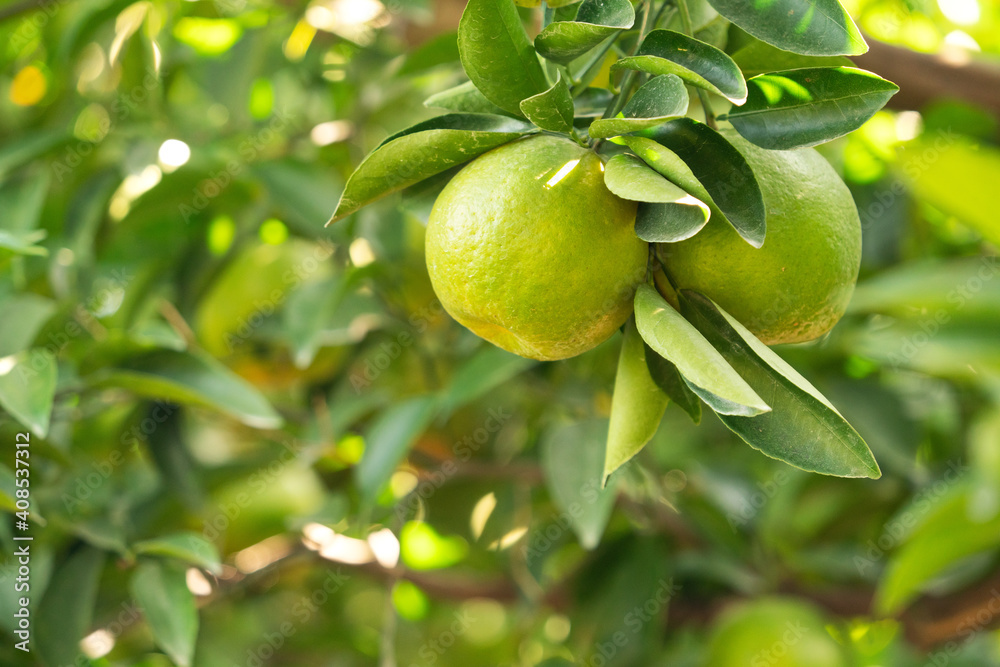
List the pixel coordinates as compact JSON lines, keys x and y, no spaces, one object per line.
{"x":682,"y":6}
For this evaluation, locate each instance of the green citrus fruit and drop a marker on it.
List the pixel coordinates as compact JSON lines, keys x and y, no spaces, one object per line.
{"x":776,"y":632}
{"x":797,"y":285}
{"x":528,"y":249}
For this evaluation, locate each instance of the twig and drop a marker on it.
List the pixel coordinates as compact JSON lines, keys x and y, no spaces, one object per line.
{"x":702,"y":95}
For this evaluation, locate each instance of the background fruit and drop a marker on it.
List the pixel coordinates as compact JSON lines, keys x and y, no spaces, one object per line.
{"x":527,"y":248}
{"x":775,"y":632}
{"x":797,"y":285}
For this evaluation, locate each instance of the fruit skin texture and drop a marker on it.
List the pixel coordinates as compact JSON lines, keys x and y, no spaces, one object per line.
{"x":534,"y":254}
{"x":798,"y":284}
{"x":776,"y":632}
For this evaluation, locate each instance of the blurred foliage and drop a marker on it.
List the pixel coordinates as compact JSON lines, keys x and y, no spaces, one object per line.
{"x":240,"y":419}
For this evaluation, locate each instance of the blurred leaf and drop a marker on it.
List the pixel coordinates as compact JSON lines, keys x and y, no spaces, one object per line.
{"x":573,"y":461}
{"x":668,"y":378}
{"x":803,"y":428}
{"x":66,"y":608}
{"x":23,"y":243}
{"x":956,"y":176}
{"x":592,"y":102}
{"x":439,"y":50}
{"x":421,"y":547}
{"x":637,"y":404}
{"x":423,"y":151}
{"x":670,"y":214}
{"x":947,"y":536}
{"x":22,"y":199}
{"x":161,"y":591}
{"x":388,"y":439}
{"x":657,"y":101}
{"x":497,"y":55}
{"x":28,"y":386}
{"x":303,"y":194}
{"x":704,"y":370}
{"x":194,"y":378}
{"x":809,"y":27}
{"x":565,"y":41}
{"x":463,"y":98}
{"x":30,"y":145}
{"x":189,"y":547}
{"x":21,"y":317}
{"x":805,"y":107}
{"x":551,"y":110}
{"x":719,"y":167}
{"x":487,"y":369}
{"x":759,"y":57}
{"x":694,"y":61}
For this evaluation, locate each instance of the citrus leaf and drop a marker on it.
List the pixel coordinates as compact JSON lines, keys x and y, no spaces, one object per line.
{"x":671,"y":214}
{"x":805,"y":107}
{"x":592,"y":102}
{"x":694,"y":61}
{"x":28,"y":386}
{"x":21,"y":318}
{"x":191,"y":548}
{"x":463,"y":98}
{"x":668,"y":378}
{"x":387,"y":440}
{"x":704,"y":370}
{"x":809,"y":27}
{"x":573,"y":461}
{"x":551,"y":110}
{"x":160,"y":589}
{"x":24,"y":242}
{"x":637,"y":404}
{"x":657,"y":101}
{"x":719,"y":167}
{"x":565,"y":41}
{"x":488,"y":368}
{"x":759,"y":57}
{"x":194,"y":378}
{"x":803,"y":428}
{"x":67,"y":606}
{"x":422,"y":151}
{"x":497,"y":55}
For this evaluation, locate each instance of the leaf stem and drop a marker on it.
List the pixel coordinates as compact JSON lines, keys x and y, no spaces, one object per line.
{"x":618,"y":102}
{"x":706,"y":108}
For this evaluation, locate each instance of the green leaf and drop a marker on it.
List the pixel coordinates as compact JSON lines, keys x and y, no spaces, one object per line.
{"x":637,"y":404}
{"x":805,"y":107}
{"x":189,"y":547}
{"x":592,"y":102}
{"x":573,"y":462}
{"x":21,"y":317}
{"x":66,"y":608}
{"x":565,"y":41}
{"x":803,"y":429}
{"x":656,"y":102}
{"x":28,"y":386}
{"x":668,"y":378}
{"x":487,"y":369}
{"x":160,"y":589}
{"x":551,"y":110}
{"x":759,"y":57}
{"x":388,"y":439}
{"x":24,"y":242}
{"x":422,"y":151}
{"x":718,"y":166}
{"x":704,"y":370}
{"x":497,"y":55}
{"x":694,"y":61}
{"x":437,"y":51}
{"x":809,"y":27}
{"x":951,"y":533}
{"x":671,"y":213}
{"x":194,"y":378}
{"x":463,"y":98}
